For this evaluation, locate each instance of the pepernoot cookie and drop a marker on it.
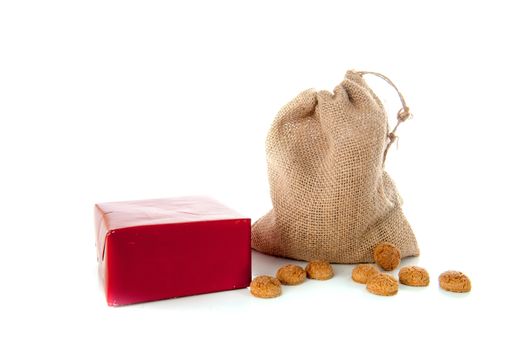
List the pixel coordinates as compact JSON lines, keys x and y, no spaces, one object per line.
{"x":413,"y":276}
{"x":291,"y":274}
{"x":319,"y":270}
{"x":387,"y":256}
{"x":454,"y":281}
{"x":265,"y":287}
{"x":383,"y":284}
{"x":363,"y":272}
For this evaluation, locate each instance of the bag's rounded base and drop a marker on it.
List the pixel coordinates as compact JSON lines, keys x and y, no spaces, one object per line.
{"x":269,"y":238}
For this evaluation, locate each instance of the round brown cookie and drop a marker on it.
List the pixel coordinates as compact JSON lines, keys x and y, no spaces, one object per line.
{"x":291,"y":274}
{"x":363,"y":272}
{"x":319,"y":270}
{"x":265,"y":287}
{"x":387,"y":256}
{"x":454,"y":281}
{"x":413,"y":276}
{"x":382,"y":284}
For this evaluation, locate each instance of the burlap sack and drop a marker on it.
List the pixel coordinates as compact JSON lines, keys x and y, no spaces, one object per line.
{"x":331,"y":197}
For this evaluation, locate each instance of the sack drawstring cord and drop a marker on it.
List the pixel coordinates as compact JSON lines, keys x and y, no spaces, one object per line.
{"x":403,"y":114}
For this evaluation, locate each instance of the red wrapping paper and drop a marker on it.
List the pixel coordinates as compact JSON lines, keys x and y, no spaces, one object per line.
{"x":165,"y":248}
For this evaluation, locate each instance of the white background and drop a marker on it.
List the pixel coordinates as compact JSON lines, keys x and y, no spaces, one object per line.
{"x":116,"y":100}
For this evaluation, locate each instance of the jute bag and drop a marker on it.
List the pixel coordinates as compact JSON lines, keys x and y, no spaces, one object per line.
{"x":331,"y":196}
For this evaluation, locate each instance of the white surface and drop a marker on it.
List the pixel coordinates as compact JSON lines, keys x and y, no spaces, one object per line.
{"x":106,"y":100}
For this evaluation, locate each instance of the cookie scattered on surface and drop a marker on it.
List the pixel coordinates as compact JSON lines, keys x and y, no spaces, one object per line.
{"x":319,"y":270}
{"x":382,"y":284}
{"x":387,"y":256}
{"x":291,"y":275}
{"x":363,"y":272}
{"x":265,"y":287}
{"x":454,"y":281}
{"x":413,"y":276}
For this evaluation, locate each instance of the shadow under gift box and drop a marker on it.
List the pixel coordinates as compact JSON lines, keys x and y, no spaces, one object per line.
{"x":164,"y":248}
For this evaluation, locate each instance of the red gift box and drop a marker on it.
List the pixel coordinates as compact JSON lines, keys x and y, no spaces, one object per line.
{"x":164,"y":248}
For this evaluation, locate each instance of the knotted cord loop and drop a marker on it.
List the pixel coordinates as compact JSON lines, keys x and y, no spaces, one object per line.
{"x":403,"y":114}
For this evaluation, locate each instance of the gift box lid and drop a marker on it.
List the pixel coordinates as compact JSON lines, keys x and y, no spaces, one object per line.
{"x":113,"y":216}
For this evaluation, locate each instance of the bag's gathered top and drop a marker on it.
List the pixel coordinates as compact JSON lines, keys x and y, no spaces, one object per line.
{"x":332,"y":198}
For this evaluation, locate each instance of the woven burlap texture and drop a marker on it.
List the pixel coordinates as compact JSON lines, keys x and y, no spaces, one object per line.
{"x":331,"y":196}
